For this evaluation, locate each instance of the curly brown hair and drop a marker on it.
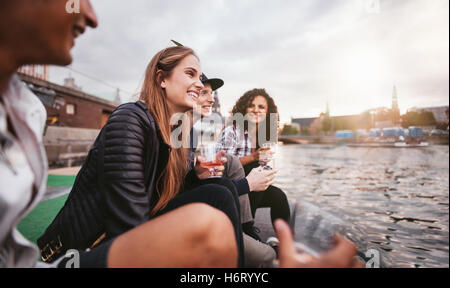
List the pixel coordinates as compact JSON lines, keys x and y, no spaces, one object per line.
{"x":245,"y":100}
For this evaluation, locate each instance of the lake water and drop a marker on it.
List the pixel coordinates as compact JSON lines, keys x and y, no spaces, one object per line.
{"x":398,"y":197}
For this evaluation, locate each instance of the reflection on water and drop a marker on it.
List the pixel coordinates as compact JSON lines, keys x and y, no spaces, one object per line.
{"x":398,"y":196}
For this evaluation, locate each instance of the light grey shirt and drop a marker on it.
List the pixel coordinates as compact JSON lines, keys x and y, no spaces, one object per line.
{"x":23,"y":170}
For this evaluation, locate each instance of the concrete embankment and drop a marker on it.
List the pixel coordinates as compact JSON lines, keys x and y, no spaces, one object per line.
{"x":66,"y":146}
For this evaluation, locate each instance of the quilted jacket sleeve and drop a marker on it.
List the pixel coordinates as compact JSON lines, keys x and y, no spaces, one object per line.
{"x":127,"y":203}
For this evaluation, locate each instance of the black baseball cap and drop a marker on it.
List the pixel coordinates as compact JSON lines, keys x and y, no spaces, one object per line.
{"x":215,"y":83}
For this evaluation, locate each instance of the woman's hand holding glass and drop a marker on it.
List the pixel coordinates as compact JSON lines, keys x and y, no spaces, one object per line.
{"x":210,"y":164}
{"x":259,"y":179}
{"x":257,"y":155}
{"x":266,"y":154}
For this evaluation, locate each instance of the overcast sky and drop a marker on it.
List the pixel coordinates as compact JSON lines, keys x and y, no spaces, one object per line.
{"x":304,"y":52}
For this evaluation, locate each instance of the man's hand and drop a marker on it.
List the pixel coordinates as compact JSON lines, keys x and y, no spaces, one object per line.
{"x":205,"y":173}
{"x":341,"y":256}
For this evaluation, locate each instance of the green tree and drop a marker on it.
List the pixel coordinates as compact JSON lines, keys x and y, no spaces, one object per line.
{"x":421,"y":118}
{"x":289,"y":130}
{"x":305,"y":131}
{"x":326,"y":125}
{"x":337,"y":124}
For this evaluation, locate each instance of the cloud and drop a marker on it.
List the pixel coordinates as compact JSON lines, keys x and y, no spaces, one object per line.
{"x":303,"y":52}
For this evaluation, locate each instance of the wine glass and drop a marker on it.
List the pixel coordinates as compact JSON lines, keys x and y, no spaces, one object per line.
{"x":208,"y":152}
{"x":268,"y":155}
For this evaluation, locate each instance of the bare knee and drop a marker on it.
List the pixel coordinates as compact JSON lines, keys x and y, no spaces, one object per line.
{"x":213,"y":236}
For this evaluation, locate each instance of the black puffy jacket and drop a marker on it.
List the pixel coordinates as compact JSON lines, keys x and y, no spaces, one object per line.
{"x":114,"y":189}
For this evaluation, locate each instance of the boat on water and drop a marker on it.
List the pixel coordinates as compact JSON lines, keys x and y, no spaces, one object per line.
{"x":411,"y":145}
{"x":392,"y":137}
{"x":389,"y":145}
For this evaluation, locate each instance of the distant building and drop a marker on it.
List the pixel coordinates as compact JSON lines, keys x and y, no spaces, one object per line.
{"x":395,"y":110}
{"x":36,"y":71}
{"x":117,"y":98}
{"x":383,"y":124}
{"x":303,"y":122}
{"x":316,"y":125}
{"x":216,"y":105}
{"x":69,"y":82}
{"x":68,"y":106}
{"x":394,"y":99}
{"x":348,"y":118}
{"x":439,"y":113}
{"x":324,"y":124}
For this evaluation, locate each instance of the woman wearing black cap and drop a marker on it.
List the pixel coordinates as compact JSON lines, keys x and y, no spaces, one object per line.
{"x":257,"y":254}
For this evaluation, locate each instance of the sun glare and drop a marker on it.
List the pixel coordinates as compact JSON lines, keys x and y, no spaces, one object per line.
{"x":363,"y":70}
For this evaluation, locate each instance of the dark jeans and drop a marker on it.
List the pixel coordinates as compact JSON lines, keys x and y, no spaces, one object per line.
{"x":222,"y":196}
{"x":273,"y":198}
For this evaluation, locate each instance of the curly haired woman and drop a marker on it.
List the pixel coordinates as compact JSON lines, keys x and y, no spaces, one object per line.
{"x":243,"y":139}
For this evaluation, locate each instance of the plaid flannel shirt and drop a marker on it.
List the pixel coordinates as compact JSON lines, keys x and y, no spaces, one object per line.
{"x":235,"y":142}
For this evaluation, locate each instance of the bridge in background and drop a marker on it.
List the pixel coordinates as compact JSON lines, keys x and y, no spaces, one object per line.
{"x":295,"y":139}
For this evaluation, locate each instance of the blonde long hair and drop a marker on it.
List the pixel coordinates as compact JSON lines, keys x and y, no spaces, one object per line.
{"x":159,"y":68}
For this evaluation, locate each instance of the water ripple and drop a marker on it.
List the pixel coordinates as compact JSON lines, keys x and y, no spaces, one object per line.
{"x":398,"y":196}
